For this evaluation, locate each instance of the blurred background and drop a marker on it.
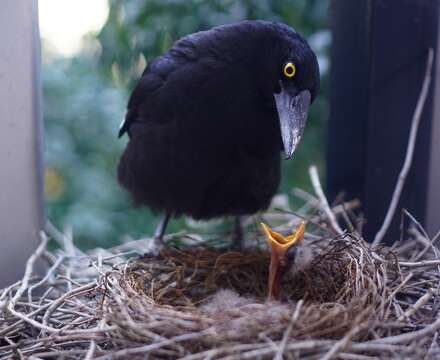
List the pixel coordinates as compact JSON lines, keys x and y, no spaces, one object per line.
{"x":93,"y":53}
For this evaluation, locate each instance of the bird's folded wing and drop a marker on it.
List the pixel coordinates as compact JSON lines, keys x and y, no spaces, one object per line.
{"x":147,"y":85}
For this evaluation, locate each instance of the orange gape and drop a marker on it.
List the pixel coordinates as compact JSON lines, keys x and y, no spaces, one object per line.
{"x":279,"y":263}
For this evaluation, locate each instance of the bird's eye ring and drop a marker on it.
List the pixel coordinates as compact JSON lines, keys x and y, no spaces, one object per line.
{"x":289,"y":70}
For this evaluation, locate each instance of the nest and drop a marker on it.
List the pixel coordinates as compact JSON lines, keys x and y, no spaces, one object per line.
{"x":349,"y":300}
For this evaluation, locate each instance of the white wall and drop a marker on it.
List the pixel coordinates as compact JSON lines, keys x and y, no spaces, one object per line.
{"x":21,"y":205}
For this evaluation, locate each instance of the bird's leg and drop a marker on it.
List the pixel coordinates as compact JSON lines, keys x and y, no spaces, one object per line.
{"x":159,"y":233}
{"x":279,"y":261}
{"x":237,"y":240}
{"x":161,"y":227}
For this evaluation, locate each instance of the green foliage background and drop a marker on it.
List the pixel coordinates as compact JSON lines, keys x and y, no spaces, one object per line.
{"x":85,"y":98}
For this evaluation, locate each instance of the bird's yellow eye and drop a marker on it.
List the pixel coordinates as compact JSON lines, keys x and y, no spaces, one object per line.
{"x":289,"y":70}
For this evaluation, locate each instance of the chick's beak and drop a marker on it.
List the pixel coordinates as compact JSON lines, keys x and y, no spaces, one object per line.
{"x":292,"y":112}
{"x":279,"y":263}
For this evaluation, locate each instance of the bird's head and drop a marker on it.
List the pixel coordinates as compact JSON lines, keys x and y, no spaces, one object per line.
{"x":248,"y":72}
{"x":280,"y":63}
{"x":295,"y":84}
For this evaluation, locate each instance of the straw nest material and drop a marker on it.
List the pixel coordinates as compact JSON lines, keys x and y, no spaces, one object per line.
{"x":345,"y":299}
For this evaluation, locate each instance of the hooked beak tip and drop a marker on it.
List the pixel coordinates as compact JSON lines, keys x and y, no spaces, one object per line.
{"x":288,"y":155}
{"x":292,"y":113}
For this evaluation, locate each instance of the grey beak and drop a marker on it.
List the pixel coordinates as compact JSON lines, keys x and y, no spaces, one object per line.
{"x":292,"y":112}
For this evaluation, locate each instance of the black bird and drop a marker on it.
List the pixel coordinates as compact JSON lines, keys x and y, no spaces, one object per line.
{"x":208,"y":119}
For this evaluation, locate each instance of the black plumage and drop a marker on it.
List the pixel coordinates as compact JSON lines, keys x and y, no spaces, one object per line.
{"x":204,"y":120}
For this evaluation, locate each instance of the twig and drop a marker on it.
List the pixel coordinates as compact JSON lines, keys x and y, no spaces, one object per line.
{"x":29,"y":270}
{"x":425,"y":235}
{"x":418,"y":304}
{"x":55,"y":304}
{"x":148,"y":348}
{"x":434,"y":344}
{"x":398,"y":288}
{"x":48,"y":275}
{"x":286,"y":335}
{"x":409,"y":151}
{"x":341,"y":344}
{"x":423,"y":263}
{"x":91,"y":351}
{"x":406,"y":338}
{"x":313,"y":172}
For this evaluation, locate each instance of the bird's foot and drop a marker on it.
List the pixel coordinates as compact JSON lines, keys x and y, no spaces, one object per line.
{"x":153,"y":249}
{"x":280,"y":246}
{"x":157,"y":243}
{"x":157,"y":246}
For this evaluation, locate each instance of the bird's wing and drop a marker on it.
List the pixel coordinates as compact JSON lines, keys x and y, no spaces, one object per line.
{"x":198,"y":48}
{"x":125,"y":123}
{"x":153,"y":78}
{"x":147,"y":85}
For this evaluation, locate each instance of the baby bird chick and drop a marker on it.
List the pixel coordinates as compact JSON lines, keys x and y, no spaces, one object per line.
{"x":284,"y":257}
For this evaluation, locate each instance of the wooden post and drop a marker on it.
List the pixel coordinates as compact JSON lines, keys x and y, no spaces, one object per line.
{"x":379,"y":59}
{"x":21,"y":200}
